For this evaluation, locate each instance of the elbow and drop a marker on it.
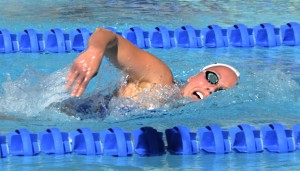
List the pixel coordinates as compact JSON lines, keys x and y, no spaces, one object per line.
{"x":110,"y":36}
{"x":104,"y":37}
{"x":101,"y":30}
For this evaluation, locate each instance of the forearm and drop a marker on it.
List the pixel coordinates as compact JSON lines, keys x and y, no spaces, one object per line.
{"x":86,"y":65}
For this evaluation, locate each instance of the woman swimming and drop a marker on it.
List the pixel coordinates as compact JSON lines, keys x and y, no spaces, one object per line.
{"x":143,"y":70}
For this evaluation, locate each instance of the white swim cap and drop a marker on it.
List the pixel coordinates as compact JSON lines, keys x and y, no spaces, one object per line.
{"x":225,"y":65}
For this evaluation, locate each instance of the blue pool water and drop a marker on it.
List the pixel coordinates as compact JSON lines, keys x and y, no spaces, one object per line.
{"x":268,"y":90}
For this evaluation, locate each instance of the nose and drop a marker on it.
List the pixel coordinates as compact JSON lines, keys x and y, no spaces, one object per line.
{"x":209,"y":90}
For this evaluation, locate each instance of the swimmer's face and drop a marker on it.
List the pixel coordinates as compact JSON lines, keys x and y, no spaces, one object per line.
{"x":206,"y":82}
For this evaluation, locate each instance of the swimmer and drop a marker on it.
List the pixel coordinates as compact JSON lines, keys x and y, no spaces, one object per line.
{"x":142,"y":69}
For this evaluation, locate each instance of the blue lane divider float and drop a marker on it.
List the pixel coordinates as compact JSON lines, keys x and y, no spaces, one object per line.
{"x":116,"y":142}
{"x":23,"y":143}
{"x":296,"y":131}
{"x":147,"y":141}
{"x":138,"y":37}
{"x":213,"y":36}
{"x":246,"y":139}
{"x":214,"y":140}
{"x":181,"y":141}
{"x":188,"y":37}
{"x":30,"y":41}
{"x":267,"y":35}
{"x":79,"y":39}
{"x":290,"y":34}
{"x":277,"y":138}
{"x":3,"y":147}
{"x":8,"y":42}
{"x":85,"y":142}
{"x":56,"y":41}
{"x":240,"y":36}
{"x":161,"y":37}
{"x":52,"y":141}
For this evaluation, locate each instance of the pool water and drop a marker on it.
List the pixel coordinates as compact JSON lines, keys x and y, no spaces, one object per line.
{"x":268,"y":90}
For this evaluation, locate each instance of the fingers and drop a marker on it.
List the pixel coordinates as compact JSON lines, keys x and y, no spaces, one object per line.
{"x":71,"y":77}
{"x":80,"y":74}
{"x":81,"y":84}
{"x":82,"y":87}
{"x":77,"y":87}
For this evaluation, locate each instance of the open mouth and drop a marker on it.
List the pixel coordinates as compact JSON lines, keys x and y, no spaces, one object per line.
{"x":198,"y":94}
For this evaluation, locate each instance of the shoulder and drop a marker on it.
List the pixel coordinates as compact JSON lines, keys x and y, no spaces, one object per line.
{"x":143,"y":66}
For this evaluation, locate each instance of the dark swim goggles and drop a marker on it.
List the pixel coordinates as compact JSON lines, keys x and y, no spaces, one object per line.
{"x":211,"y":77}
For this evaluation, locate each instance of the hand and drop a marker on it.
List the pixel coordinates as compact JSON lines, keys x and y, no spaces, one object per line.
{"x":84,"y":68}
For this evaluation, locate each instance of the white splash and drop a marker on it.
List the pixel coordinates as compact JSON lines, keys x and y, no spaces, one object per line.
{"x":32,"y":92}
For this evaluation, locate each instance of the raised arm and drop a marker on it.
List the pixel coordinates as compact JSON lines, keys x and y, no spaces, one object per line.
{"x":141,"y":66}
